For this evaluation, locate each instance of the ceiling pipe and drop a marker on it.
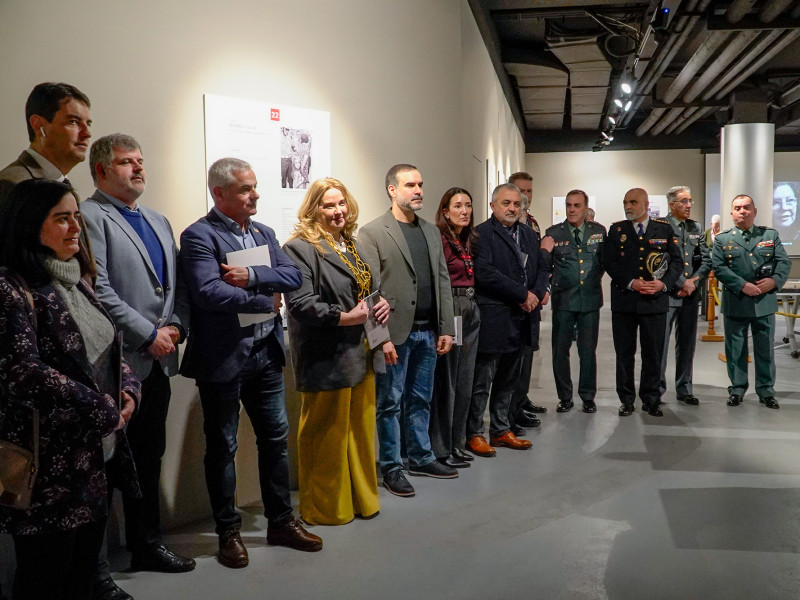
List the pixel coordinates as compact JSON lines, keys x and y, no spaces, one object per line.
{"x":651,"y":120}
{"x":722,"y":62}
{"x":666,"y":56}
{"x":790,"y":96}
{"x":787,"y":38}
{"x":696,"y":117}
{"x":686,"y":114}
{"x":738,"y":10}
{"x":703,"y":54}
{"x":751,"y":55}
{"x":771,"y":10}
{"x":666,"y":120}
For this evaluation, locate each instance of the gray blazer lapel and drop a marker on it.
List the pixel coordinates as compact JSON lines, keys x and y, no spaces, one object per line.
{"x":332,"y":258}
{"x":397,"y":235}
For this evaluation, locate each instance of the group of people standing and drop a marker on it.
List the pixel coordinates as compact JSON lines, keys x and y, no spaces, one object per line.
{"x":460,"y":305}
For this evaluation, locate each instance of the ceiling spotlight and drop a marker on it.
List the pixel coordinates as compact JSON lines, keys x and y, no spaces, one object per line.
{"x":628,"y":105}
{"x":618,"y":102}
{"x":626,"y":87}
{"x":606,"y":142}
{"x":612,"y":120}
{"x":610,"y":138}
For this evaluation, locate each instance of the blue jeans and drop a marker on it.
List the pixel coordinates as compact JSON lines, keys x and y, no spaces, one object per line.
{"x":409,"y":384}
{"x":255,"y":387}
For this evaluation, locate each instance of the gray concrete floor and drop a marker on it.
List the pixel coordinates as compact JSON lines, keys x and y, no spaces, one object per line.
{"x":702,"y":503}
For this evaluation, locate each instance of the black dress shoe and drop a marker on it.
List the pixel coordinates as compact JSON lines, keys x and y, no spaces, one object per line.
{"x":531,"y":407}
{"x":461,"y":455}
{"x":734,"y":400}
{"x":769,"y":402}
{"x":526,"y":419}
{"x":453,"y":462}
{"x":589,"y":407}
{"x":655,"y":411}
{"x":161,"y":559}
{"x":517,"y":430}
{"x":625,"y":410}
{"x":107,"y":589}
{"x":690,"y":400}
{"x":564,"y":406}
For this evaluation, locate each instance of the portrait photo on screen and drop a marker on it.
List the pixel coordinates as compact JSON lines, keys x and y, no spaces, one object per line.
{"x":784,"y":215}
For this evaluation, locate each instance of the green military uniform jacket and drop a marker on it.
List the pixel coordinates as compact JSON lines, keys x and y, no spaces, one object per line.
{"x":735,"y":262}
{"x":690,"y":240}
{"x":576,"y":268}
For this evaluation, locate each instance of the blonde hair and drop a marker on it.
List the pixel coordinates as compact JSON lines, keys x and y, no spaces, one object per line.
{"x":308,"y":227}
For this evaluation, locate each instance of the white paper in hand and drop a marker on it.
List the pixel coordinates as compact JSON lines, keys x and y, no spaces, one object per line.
{"x":251,"y":257}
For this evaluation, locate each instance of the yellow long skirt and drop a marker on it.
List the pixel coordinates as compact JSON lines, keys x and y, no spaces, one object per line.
{"x":336,"y":454}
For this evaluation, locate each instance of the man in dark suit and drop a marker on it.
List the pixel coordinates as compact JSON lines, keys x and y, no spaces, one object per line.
{"x":574,"y":250}
{"x":644,"y":263}
{"x":408,"y":261}
{"x":510,"y":284}
{"x":237,"y":363}
{"x":57,"y":116}
{"x":685,"y":296}
{"x":136,"y":259}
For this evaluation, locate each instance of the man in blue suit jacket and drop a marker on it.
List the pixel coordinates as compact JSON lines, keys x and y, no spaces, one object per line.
{"x":136,"y":259}
{"x":233,"y":363}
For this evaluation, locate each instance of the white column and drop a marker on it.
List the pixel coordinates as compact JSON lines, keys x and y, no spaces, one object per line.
{"x":747,"y":168}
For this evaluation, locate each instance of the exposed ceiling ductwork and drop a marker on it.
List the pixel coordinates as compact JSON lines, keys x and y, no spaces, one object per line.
{"x":565,"y":60}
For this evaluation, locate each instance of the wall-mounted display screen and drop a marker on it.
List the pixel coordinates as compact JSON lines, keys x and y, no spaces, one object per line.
{"x":784,"y":214}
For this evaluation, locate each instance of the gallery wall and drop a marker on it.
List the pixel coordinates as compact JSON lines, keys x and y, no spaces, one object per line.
{"x":608,"y":175}
{"x":404,"y":81}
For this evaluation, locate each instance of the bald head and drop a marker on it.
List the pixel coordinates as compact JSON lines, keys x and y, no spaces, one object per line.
{"x":636,"y":203}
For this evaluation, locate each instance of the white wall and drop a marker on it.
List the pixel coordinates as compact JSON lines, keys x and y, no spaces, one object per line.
{"x":608,"y":175}
{"x":404,"y":82}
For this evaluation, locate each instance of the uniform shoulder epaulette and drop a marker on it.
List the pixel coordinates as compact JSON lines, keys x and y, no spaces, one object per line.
{"x":766,"y":228}
{"x":726,"y":231}
{"x":553,"y":228}
{"x":597,"y":226}
{"x":659,"y":220}
{"x":615,"y":223}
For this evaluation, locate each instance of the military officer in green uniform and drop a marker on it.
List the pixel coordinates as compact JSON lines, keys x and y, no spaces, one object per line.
{"x":685,"y":295}
{"x":752,"y":265}
{"x":574,"y":251}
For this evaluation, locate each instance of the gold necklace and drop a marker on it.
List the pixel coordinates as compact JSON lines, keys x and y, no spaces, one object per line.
{"x":360,"y":270}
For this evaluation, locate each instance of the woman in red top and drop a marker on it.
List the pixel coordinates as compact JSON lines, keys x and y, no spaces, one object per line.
{"x":453,"y":381}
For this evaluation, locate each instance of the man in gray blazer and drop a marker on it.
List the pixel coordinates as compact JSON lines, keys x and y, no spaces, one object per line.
{"x":137,"y":284}
{"x":407,"y":259}
{"x":58,"y":121}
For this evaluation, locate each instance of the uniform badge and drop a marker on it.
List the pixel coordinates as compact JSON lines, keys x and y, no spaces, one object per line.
{"x":623,"y":237}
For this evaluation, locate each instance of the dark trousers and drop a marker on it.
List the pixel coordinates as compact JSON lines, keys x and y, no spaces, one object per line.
{"x":57,"y":566}
{"x":496,"y":374}
{"x":254,"y":387}
{"x":147,"y":436}
{"x":763,"y":330}
{"x":452,"y":391}
{"x":523,"y":383}
{"x":684,"y":317}
{"x":651,"y":328}
{"x":286,"y":172}
{"x":587,"y":324}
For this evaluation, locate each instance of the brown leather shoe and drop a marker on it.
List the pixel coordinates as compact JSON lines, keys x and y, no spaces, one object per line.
{"x":232,"y":552}
{"x":509,"y":440}
{"x":292,"y":535}
{"x":478,"y":446}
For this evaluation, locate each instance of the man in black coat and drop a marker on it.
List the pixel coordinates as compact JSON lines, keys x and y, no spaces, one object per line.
{"x":510,"y":284}
{"x":644,"y":263}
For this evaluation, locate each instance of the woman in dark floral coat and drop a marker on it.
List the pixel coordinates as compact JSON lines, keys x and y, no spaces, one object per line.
{"x":57,"y":360}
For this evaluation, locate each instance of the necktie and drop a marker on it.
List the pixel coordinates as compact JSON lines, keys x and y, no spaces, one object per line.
{"x":577,"y":237}
{"x":641,"y":229}
{"x":746,"y":235}
{"x":514,"y":234}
